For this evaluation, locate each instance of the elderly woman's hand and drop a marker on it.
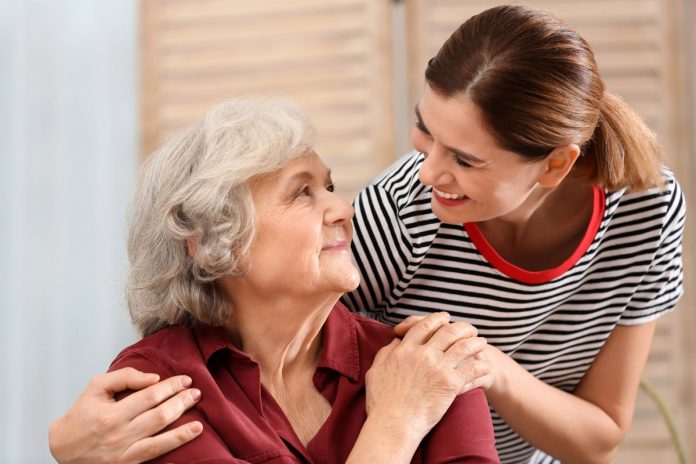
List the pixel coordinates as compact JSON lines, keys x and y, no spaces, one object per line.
{"x":478,"y":363}
{"x":415,"y":379}
{"x":99,"y":429}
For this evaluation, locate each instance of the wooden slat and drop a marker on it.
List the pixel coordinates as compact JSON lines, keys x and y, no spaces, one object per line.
{"x":573,"y":12}
{"x":297,"y":80}
{"x":186,"y":11}
{"x":221,"y":34}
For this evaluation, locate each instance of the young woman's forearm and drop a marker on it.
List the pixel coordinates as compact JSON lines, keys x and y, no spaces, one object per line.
{"x":588,"y":425}
{"x":563,"y":425}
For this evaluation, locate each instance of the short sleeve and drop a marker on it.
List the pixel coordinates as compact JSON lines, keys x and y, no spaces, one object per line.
{"x":464,"y":435}
{"x":662,"y":286}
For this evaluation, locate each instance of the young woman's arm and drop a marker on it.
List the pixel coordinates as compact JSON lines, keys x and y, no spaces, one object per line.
{"x":588,"y":425}
{"x":98,"y":429}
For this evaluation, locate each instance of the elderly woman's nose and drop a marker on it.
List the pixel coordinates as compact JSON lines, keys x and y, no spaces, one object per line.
{"x":338,"y":209}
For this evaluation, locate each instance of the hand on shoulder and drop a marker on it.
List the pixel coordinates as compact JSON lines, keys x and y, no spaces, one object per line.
{"x":418,"y":377}
{"x":99,"y":429}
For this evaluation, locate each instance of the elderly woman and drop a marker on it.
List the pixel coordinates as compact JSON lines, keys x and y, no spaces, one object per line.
{"x":240,"y":250}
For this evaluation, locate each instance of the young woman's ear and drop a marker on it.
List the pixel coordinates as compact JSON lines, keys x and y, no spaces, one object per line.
{"x":559,"y":164}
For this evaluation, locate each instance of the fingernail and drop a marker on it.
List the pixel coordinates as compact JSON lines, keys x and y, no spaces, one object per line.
{"x":186,"y":381}
{"x":195,"y":394}
{"x":195,"y":427}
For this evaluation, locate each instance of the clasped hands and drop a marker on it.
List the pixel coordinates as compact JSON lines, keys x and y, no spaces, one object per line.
{"x":417,"y":377}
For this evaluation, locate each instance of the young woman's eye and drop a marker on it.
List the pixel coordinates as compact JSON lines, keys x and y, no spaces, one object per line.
{"x":461,"y":162}
{"x":421,"y":127}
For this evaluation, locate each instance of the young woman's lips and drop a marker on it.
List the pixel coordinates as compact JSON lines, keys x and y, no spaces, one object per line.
{"x":449,"y":201}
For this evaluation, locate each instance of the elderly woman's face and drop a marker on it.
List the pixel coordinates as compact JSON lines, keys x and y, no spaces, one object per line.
{"x":303,"y":232}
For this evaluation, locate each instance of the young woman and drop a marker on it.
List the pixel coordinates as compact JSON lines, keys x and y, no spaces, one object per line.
{"x":537,"y":208}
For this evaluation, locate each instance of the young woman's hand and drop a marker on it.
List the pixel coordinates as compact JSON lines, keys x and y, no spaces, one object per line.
{"x":99,"y":429}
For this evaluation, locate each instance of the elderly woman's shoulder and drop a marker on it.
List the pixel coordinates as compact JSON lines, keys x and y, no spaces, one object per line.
{"x":371,"y":334}
{"x":160,"y":351}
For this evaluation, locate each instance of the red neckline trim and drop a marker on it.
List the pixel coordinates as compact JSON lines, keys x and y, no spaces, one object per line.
{"x":547,"y":275}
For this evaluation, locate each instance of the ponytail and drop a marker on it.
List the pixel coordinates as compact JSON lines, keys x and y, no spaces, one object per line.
{"x":623,"y":152}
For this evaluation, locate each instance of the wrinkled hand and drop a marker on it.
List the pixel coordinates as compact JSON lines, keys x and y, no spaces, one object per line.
{"x":416,"y":379}
{"x":98,"y":429}
{"x":479,"y":364}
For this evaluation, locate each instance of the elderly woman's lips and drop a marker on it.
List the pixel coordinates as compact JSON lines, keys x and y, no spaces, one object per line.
{"x":336,"y":245}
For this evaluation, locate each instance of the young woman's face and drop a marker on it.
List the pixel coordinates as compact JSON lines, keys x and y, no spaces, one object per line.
{"x":303,"y":233}
{"x":473,"y":179}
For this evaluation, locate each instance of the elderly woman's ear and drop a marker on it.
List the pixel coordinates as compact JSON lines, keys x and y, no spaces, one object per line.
{"x":192,"y":246}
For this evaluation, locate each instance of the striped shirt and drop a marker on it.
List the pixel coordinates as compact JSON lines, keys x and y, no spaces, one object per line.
{"x":627,"y":270}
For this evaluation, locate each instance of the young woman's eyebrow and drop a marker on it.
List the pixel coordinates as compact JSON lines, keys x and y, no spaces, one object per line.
{"x":466,"y":156}
{"x":419,"y":121}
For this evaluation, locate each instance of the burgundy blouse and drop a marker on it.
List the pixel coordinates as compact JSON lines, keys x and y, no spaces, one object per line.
{"x":243,"y":423}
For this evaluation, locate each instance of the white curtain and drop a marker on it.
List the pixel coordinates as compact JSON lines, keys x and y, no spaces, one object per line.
{"x":68,"y":157}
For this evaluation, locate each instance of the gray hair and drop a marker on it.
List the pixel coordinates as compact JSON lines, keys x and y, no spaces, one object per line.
{"x":196,"y":186}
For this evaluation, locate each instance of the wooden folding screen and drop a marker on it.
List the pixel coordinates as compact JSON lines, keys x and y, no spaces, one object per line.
{"x":635,"y":43}
{"x":333,"y":58}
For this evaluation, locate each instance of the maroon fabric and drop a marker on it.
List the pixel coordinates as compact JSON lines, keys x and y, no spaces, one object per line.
{"x":243,"y":423}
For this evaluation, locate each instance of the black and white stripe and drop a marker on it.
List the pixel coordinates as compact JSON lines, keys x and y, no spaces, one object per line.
{"x":411,"y":263}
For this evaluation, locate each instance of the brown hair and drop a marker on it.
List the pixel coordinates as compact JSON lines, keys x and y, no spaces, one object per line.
{"x":538,"y":87}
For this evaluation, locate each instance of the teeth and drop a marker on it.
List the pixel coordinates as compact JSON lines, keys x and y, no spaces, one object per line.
{"x":449,"y":196}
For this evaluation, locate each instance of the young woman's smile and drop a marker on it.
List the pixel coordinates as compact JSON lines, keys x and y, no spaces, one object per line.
{"x":449,"y":199}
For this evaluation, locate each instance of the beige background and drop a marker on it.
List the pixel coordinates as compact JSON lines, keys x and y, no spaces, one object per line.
{"x":356,"y":66}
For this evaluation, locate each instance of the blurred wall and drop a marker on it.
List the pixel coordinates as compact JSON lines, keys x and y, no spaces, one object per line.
{"x":68,"y":150}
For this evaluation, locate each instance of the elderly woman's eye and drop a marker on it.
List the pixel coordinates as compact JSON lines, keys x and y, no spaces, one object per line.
{"x":303,"y":192}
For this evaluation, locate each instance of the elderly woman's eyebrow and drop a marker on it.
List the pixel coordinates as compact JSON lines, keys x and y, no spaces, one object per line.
{"x":309,"y":175}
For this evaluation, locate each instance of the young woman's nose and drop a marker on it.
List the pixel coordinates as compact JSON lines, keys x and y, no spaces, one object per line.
{"x":436,"y":169}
